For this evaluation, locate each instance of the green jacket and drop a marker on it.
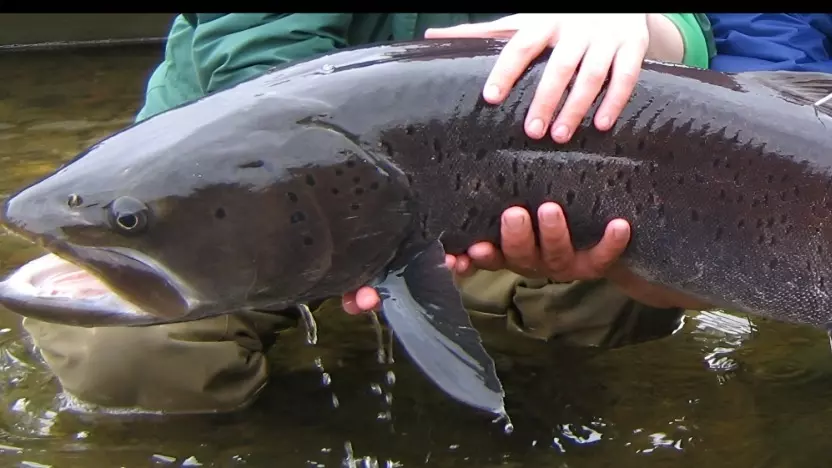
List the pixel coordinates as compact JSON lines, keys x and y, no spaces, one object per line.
{"x":206,"y":52}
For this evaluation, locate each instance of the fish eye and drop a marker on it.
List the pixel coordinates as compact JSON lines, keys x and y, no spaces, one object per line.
{"x":128,"y":215}
{"x":74,"y":201}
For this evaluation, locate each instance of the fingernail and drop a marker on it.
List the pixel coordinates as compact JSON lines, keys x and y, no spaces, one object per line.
{"x":491,"y":92}
{"x":561,"y":132}
{"x":619,"y":232}
{"x":549,"y":215}
{"x":604,"y":122}
{"x":514,"y":221}
{"x":535,"y":129}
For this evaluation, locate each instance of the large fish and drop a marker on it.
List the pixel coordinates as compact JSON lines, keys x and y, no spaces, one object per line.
{"x":369,"y":164}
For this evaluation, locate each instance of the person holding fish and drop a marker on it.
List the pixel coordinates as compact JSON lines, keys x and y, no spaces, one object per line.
{"x":544,"y":291}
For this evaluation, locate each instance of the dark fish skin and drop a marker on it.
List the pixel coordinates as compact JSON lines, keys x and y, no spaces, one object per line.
{"x":325,"y":175}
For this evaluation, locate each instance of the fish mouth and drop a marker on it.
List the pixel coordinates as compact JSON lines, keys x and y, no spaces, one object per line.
{"x":96,"y":287}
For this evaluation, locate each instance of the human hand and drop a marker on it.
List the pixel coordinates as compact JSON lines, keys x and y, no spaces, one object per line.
{"x":599,"y":42}
{"x":555,"y":259}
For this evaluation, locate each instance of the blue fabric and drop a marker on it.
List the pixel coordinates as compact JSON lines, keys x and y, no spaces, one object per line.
{"x":772,"y":41}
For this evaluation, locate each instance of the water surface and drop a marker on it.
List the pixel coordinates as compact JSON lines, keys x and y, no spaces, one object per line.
{"x":721,"y":397}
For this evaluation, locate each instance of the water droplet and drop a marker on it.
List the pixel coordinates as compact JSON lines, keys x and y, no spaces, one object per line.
{"x":326,"y":380}
{"x":328,"y":68}
{"x":310,"y":325}
{"x":390,"y":378}
{"x":375,"y":388}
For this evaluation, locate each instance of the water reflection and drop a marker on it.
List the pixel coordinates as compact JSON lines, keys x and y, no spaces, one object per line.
{"x":723,"y":391}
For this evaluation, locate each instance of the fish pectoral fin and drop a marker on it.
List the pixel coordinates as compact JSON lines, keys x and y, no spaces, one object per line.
{"x":424,"y":309}
{"x":806,"y":88}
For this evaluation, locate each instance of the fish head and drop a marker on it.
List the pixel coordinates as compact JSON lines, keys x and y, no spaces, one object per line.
{"x":182,"y":216}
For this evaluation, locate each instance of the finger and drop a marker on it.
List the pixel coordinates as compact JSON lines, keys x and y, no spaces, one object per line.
{"x":593,"y":263}
{"x":450,"y":261}
{"x":486,"y":256}
{"x":553,"y":82}
{"x":463,"y":266}
{"x":594,"y":69}
{"x":556,"y":248}
{"x":515,"y":57}
{"x":349,"y":305}
{"x":366,"y":298}
{"x":625,"y":70}
{"x":518,"y":239}
{"x":494,"y":29}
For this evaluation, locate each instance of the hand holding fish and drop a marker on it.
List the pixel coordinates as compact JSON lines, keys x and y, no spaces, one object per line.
{"x":600,"y":43}
{"x":555,"y":259}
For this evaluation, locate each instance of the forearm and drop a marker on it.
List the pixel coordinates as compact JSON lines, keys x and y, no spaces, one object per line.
{"x":678,"y":38}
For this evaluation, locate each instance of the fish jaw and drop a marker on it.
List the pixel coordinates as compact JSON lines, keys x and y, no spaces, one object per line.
{"x":26,"y":292}
{"x":52,"y":289}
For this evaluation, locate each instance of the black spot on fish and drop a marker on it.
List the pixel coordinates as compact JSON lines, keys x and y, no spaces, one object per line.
{"x":582,"y":142}
{"x":722,"y":194}
{"x":408,"y":130}
{"x":755,"y":203}
{"x":219,"y":213}
{"x":782,"y":196}
{"x":598,"y":166}
{"x":501,"y":180}
{"x":760,"y":223}
{"x":736,"y":177}
{"x":694,"y":215}
{"x":716,"y":162}
{"x":596,"y":205}
{"x":770,"y":222}
{"x":409,"y":179}
{"x":515,"y":166}
{"x":437,"y":150}
{"x":251,"y":165}
{"x":292,"y":197}
{"x":820,"y":249}
{"x":583,"y":176}
{"x":641,"y":144}
{"x":515,"y":190}
{"x":639,"y":208}
{"x":670,"y":155}
{"x":610,"y":182}
{"x":770,"y":178}
{"x":740,"y":224}
{"x":783,"y":218}
{"x":718,"y":234}
{"x":772,"y":241}
{"x":374,"y":186}
{"x":680,"y":180}
{"x":350,"y":164}
{"x":358,"y":191}
{"x":619,"y":175}
{"x":529,"y":179}
{"x":458,"y":184}
{"x":740,"y":198}
{"x":628,"y":186}
{"x":481,"y":154}
{"x":796,"y":191}
{"x":772,"y":263}
{"x":570,"y":197}
{"x":308,"y":241}
{"x":549,"y":187}
{"x":618,"y":149}
{"x":761,"y":239}
{"x":310,"y":181}
{"x":822,"y":282}
{"x":355,"y":206}
{"x":335,"y":191}
{"x":789,"y":229}
{"x":784,"y":178}
{"x":661,"y":210}
{"x":339,"y":171}
{"x":636,"y":169}
{"x":297,"y":217}
{"x":472,"y":213}
{"x":477,"y":185}
{"x":385,"y":148}
{"x":492,"y":221}
{"x":356,"y":179}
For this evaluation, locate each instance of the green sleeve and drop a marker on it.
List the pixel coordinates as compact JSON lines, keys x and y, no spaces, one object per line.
{"x":230,"y":48}
{"x":696,"y":36}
